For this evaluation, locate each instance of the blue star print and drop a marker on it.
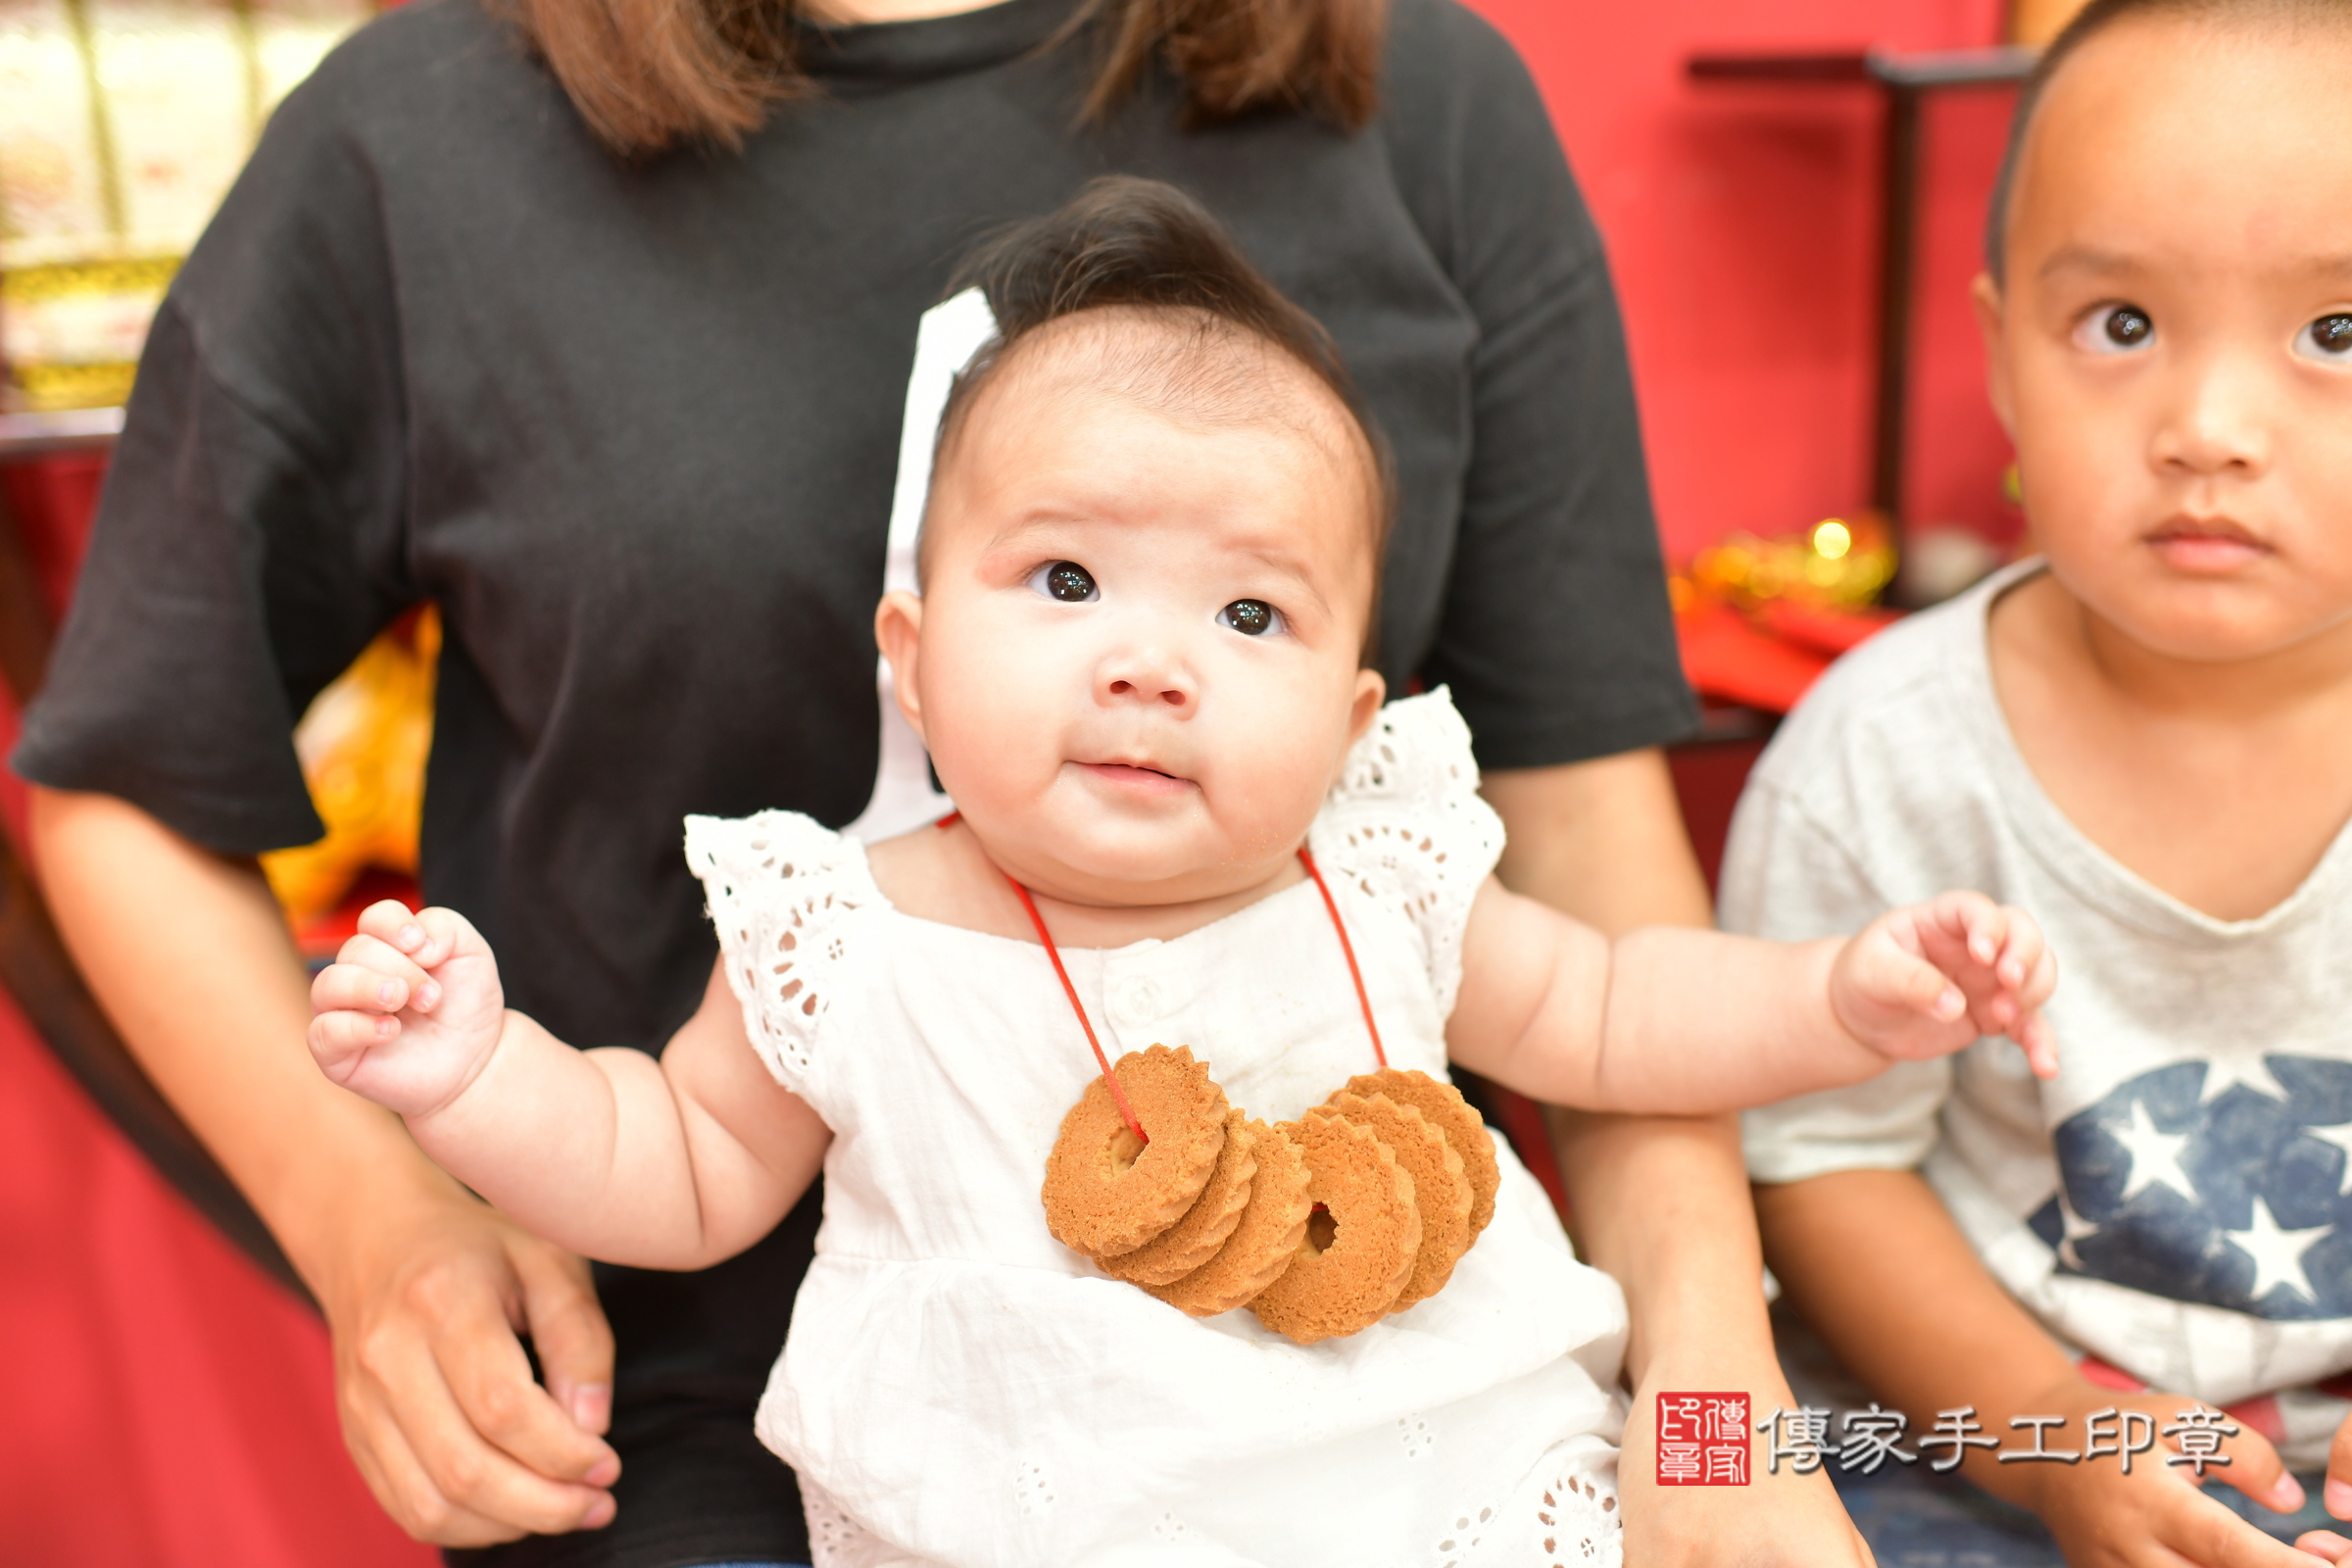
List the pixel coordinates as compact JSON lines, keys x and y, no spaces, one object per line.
{"x":2221,"y":1182}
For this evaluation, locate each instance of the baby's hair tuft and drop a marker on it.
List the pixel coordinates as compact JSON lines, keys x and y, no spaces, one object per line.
{"x":1125,"y":243}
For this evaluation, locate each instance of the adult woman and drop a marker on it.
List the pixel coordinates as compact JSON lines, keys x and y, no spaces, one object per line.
{"x":631,"y":420}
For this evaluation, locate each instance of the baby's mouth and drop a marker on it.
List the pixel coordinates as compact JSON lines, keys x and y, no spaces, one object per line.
{"x":2206,"y":544}
{"x":1136,"y":777}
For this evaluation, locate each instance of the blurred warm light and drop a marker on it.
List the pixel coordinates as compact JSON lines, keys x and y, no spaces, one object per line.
{"x":1839,"y":564}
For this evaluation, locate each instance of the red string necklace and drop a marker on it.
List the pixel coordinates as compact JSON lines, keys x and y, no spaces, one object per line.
{"x":1355,"y":973}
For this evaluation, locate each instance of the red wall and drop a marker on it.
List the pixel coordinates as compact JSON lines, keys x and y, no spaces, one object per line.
{"x":1742,"y":225}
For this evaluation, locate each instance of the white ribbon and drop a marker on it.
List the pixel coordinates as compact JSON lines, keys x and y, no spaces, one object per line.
{"x":950,"y":334}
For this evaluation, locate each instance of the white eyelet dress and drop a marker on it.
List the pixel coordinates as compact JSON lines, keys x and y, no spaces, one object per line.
{"x":958,"y":1388}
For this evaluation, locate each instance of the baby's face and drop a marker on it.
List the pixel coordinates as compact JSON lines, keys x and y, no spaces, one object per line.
{"x":2172,"y":350}
{"x":1135,"y":657}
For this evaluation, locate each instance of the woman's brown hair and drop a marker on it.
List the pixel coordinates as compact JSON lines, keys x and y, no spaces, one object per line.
{"x":648,"y":74}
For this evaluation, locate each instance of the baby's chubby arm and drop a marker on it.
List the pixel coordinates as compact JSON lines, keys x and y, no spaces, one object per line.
{"x":1689,"y":1022}
{"x":671,"y":1164}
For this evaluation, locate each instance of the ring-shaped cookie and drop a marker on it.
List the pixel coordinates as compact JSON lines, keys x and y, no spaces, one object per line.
{"x":1359,"y":1254}
{"x":1440,"y":1188}
{"x":1103,"y":1196}
{"x":1195,"y":1238}
{"x":1452,"y":1115}
{"x":1263,"y":1244}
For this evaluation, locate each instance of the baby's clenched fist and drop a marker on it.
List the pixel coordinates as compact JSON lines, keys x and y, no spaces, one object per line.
{"x":410,"y":1011}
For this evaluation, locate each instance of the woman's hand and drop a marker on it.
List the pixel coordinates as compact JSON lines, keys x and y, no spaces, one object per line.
{"x":1927,"y":980}
{"x":437,"y":1401}
{"x":410,"y":1011}
{"x":1776,"y":1521}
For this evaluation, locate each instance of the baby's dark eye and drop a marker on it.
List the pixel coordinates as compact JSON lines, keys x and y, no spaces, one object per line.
{"x":1252,"y":618}
{"x":2328,"y":338}
{"x":1067,"y":581}
{"x":2117,"y":329}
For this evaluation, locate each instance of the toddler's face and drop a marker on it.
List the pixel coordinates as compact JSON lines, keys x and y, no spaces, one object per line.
{"x":2172,"y":348}
{"x":1135,"y":657}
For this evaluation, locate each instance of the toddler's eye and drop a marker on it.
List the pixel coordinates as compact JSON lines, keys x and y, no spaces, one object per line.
{"x":2328,"y":338}
{"x":1252,"y":618}
{"x":1067,"y":581}
{"x":2115,"y":330}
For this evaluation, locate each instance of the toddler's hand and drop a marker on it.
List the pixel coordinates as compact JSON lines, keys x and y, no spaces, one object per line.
{"x":1924,"y":981}
{"x":410,"y":1010}
{"x":2156,"y":1516}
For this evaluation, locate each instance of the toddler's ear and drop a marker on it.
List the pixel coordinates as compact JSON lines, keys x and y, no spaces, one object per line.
{"x":899,"y":630}
{"x":1371,"y":690}
{"x":1993,"y":321}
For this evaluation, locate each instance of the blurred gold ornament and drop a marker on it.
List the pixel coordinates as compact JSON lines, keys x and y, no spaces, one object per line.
{"x":1837,"y":563}
{"x":2034,"y":22}
{"x":362,"y":747}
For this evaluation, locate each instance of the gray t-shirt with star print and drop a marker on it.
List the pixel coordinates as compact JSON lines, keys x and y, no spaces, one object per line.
{"x":2175,"y":1203}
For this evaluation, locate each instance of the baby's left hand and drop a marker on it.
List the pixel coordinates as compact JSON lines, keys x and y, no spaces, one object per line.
{"x":1925,"y":981}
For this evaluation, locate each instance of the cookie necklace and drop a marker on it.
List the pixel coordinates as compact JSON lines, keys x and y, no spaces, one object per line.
{"x":1321,"y":1226}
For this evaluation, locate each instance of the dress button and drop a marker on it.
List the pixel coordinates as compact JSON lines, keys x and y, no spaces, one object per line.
{"x":1141,"y":999}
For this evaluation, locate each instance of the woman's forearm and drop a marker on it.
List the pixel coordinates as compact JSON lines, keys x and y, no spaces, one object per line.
{"x":190,"y":956}
{"x":1661,"y":1204}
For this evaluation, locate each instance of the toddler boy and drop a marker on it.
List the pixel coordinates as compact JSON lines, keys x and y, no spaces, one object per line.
{"x":2144,"y":737}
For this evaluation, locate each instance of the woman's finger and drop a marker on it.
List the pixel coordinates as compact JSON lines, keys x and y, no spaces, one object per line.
{"x":400,"y":1485}
{"x":490,"y":1382}
{"x":571,"y":1334}
{"x":464,"y":1465}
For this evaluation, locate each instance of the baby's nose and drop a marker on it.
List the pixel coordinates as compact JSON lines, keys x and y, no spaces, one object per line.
{"x":1175,"y":696}
{"x":1147,"y":674}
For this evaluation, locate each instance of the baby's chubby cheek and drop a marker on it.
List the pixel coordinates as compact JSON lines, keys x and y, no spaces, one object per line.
{"x":993,"y":732}
{"x":1269,"y":775}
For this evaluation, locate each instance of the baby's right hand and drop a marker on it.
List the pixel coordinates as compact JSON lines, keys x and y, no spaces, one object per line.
{"x":410,"y":1010}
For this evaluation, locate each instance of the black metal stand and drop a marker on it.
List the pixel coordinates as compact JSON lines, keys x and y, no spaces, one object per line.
{"x":1905,"y":81}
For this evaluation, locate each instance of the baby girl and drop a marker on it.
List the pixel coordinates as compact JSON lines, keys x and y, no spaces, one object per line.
{"x":1149,"y":568}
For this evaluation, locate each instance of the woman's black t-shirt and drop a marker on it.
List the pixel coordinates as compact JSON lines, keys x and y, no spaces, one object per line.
{"x":634,"y":427}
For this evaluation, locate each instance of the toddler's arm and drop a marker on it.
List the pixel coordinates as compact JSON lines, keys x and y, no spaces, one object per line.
{"x":670,"y":1165}
{"x":1688,"y":1022}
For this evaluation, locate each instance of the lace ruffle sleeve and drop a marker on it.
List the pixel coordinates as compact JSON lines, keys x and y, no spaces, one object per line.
{"x":781,"y":887}
{"x":1407,"y":825}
